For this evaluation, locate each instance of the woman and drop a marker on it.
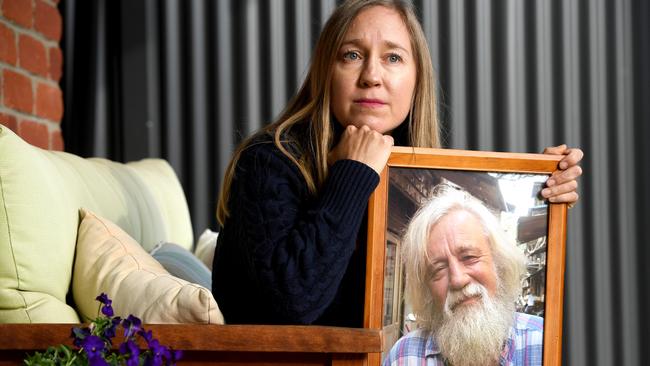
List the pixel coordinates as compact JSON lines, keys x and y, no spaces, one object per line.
{"x":295,"y":193}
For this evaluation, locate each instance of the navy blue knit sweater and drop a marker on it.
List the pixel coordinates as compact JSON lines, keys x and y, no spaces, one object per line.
{"x":284,"y":256}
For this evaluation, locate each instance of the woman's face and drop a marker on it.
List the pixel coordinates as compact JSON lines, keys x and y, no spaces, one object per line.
{"x":374,"y":72}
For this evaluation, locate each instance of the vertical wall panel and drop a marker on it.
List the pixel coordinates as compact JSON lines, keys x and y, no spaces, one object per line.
{"x":430,"y":11}
{"x":252,"y":43}
{"x":134,"y":80}
{"x":326,"y":8}
{"x":599,"y":192}
{"x":484,"y":74}
{"x":543,"y":77}
{"x":101,"y":116}
{"x":172,"y":83}
{"x":576,"y":333}
{"x":515,"y":82}
{"x":153,"y":80}
{"x":198,"y":183}
{"x":641,"y":111}
{"x":628,"y":327}
{"x":223,"y":59}
{"x":302,"y":20}
{"x":458,"y":71}
{"x":278,"y":60}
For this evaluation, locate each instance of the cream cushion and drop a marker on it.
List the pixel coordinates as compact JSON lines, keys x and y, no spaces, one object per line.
{"x":40,"y":196}
{"x":205,"y":247}
{"x":109,"y":261}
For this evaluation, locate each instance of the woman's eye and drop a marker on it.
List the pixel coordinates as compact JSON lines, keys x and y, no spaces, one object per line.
{"x":351,"y":55}
{"x":394,"y":58}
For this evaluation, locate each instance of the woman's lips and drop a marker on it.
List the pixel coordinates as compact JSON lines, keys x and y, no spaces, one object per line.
{"x":369,"y":103}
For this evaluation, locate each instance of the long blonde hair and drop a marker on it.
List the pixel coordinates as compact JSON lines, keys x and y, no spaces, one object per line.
{"x":306,"y":122}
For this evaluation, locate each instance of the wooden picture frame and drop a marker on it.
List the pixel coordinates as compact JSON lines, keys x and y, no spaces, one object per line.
{"x":461,"y":165}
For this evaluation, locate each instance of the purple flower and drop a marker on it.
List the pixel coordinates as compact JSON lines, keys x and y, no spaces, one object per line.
{"x":131,"y":349}
{"x":131,"y":326}
{"x":97,"y":347}
{"x":158,"y":353}
{"x":103,"y":298}
{"x":93,"y":346}
{"x":97,"y":361}
{"x":107,"y":309}
{"x":78,"y":335}
{"x":176,"y":355}
{"x":109,"y":332}
{"x":147,"y":336}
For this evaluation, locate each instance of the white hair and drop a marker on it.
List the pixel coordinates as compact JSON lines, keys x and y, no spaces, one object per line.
{"x":509,"y":260}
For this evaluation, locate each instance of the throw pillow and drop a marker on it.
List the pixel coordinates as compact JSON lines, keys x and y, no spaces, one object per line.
{"x":181,"y":263}
{"x":205,"y":247}
{"x":108,"y":260}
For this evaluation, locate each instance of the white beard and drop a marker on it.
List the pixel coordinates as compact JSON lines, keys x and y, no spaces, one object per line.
{"x":473,"y":334}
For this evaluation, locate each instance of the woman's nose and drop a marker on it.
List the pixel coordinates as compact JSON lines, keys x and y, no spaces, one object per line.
{"x":370,"y":75}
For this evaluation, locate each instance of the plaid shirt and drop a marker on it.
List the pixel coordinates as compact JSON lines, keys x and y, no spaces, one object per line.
{"x":522,"y":348}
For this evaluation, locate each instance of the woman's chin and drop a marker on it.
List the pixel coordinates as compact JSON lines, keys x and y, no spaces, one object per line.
{"x":379,"y":125}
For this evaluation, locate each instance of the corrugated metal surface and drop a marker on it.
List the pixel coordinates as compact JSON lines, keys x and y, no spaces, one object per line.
{"x":515,"y":75}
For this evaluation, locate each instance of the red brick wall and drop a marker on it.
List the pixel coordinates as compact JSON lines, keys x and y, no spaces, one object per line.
{"x":31,"y":102}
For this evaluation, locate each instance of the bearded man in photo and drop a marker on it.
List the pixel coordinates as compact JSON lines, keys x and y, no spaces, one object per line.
{"x":463,"y":276}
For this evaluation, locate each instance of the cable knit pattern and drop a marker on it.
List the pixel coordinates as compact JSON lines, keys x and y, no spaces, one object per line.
{"x":282,"y":254}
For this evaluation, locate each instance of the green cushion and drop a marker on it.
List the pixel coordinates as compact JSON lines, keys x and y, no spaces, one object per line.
{"x":40,"y":196}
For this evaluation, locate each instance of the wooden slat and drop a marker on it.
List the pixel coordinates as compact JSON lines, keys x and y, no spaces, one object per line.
{"x":190,"y":358}
{"x":473,"y":160}
{"x":373,"y":310}
{"x":240,"y":338}
{"x":555,"y":259}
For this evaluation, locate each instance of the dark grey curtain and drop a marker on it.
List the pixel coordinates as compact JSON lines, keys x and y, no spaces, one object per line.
{"x":186,"y":80}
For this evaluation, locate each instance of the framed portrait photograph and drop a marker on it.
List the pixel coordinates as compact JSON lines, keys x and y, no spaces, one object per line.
{"x":424,"y":249}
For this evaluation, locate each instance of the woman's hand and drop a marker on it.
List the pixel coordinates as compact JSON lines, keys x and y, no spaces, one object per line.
{"x":562,"y":185}
{"x":363,"y":145}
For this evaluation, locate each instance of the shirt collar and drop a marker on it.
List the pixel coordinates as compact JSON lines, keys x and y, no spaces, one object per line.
{"x":508,"y":348}
{"x":431,"y":348}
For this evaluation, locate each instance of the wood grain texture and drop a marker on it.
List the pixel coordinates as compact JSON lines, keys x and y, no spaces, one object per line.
{"x":220,"y":344}
{"x":239,"y":338}
{"x":377,"y":206}
{"x":555,"y":267}
{"x":473,"y":160}
{"x":221,"y":358}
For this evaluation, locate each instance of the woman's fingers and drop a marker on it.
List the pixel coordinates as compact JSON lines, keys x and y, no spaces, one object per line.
{"x":570,"y":198}
{"x":572,"y":158}
{"x":564,"y":176}
{"x":363,"y":145}
{"x":560,"y":189}
{"x":562,"y":185}
{"x":555,"y":150}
